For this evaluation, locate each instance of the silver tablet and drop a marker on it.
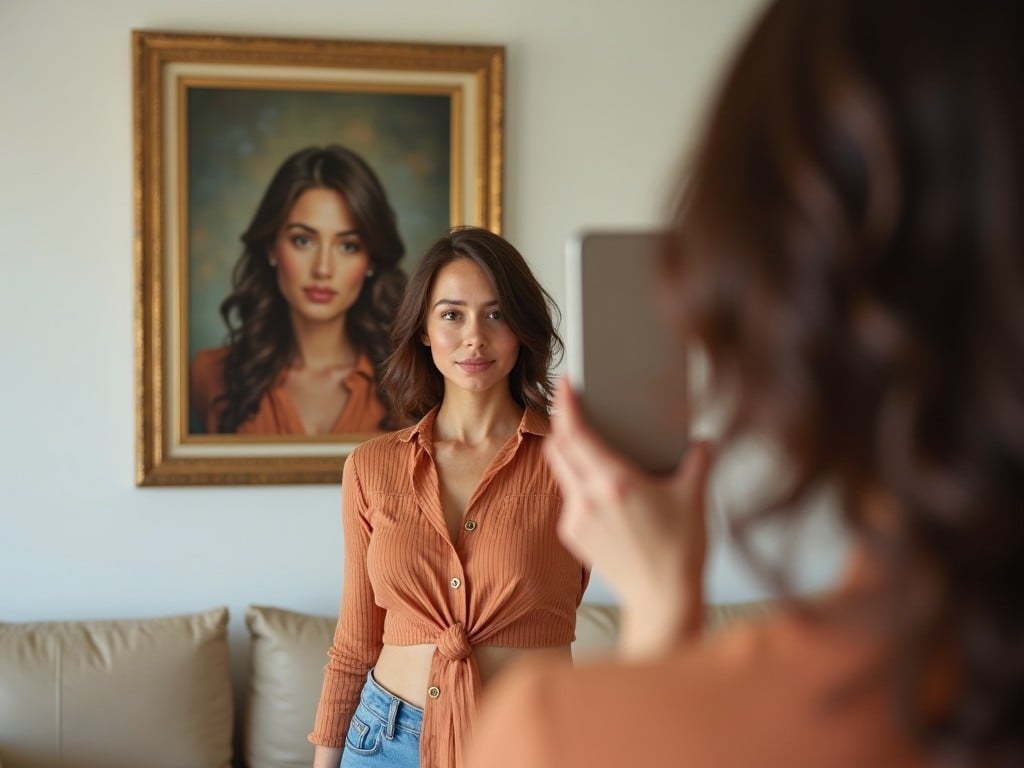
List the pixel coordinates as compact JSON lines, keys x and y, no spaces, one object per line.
{"x":627,"y":365}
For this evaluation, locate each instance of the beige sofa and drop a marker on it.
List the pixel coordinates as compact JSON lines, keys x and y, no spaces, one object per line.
{"x":157,"y":692}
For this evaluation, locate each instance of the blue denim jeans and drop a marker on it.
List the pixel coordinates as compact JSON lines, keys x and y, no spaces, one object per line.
{"x":385,"y":731}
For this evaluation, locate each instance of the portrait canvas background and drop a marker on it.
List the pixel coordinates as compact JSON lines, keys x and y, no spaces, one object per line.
{"x":238,"y":137}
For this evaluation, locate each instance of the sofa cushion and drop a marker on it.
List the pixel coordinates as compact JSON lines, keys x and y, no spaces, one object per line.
{"x":289,"y":650}
{"x":597,"y":625}
{"x":719,"y":616}
{"x":107,"y":694}
{"x":597,"y":629}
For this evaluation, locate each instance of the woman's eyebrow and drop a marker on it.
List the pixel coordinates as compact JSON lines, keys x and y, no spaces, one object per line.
{"x":307,"y":228}
{"x":461,"y":303}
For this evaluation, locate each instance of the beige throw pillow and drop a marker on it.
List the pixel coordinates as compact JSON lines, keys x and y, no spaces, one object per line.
{"x":597,"y":629}
{"x":289,"y":650}
{"x":116,"y":693}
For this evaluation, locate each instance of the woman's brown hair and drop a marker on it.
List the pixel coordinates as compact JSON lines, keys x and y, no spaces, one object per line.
{"x":852,"y":260}
{"x":410,"y":376}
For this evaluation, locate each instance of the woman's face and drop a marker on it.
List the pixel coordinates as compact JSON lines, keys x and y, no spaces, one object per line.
{"x":470,"y":342}
{"x":321,"y":257}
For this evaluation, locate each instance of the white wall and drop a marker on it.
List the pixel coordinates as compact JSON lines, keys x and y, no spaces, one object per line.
{"x":602,"y":97}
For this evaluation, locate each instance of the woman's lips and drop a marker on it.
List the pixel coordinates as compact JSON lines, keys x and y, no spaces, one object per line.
{"x":319,"y":295}
{"x":475,"y":365}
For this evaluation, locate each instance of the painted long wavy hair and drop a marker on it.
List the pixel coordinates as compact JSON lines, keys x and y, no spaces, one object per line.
{"x":260,"y":338}
{"x":410,"y":375}
{"x":852,"y":260}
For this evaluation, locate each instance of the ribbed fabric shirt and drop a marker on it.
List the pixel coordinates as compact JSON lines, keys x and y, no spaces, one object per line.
{"x":505,"y":581}
{"x":277,"y":415}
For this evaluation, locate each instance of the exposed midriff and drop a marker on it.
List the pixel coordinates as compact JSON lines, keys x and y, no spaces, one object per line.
{"x":404,"y":670}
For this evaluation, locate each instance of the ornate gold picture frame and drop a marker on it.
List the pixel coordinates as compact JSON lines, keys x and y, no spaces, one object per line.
{"x":214,"y":115}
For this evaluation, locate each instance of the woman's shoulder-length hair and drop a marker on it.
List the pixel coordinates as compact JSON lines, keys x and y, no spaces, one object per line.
{"x":411,"y":378}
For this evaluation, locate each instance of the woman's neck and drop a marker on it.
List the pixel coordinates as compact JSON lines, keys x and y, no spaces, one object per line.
{"x":322,"y":346}
{"x":473,"y":417}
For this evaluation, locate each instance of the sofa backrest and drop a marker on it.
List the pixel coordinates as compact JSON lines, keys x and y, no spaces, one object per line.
{"x":157,"y":692}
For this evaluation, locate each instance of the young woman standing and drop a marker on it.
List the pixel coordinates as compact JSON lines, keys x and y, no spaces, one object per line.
{"x":453,"y":566}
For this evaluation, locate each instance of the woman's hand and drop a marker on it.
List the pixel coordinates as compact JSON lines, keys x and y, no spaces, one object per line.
{"x":645,"y":535}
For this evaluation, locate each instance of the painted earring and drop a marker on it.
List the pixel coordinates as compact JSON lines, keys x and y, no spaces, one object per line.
{"x":273,"y":262}
{"x":369,"y":273}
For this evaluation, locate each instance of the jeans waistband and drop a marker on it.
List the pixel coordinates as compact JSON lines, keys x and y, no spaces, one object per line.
{"x":395,"y":712}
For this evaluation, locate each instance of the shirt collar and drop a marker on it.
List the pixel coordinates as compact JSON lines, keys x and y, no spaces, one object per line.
{"x":363,"y":369}
{"x":532,"y":423}
{"x":422,"y":431}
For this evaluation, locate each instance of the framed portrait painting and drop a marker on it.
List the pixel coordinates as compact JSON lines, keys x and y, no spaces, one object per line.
{"x":261,"y":165}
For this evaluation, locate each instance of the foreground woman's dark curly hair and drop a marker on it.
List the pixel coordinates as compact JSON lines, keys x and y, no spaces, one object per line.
{"x":852,"y":259}
{"x":260,"y":339}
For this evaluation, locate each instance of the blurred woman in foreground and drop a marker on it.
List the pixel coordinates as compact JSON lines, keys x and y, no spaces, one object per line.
{"x":850,"y":258}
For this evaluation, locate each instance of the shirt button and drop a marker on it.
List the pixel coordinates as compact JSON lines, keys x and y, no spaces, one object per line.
{"x":433,"y":691}
{"x":455,"y":583}
{"x":470,"y":525}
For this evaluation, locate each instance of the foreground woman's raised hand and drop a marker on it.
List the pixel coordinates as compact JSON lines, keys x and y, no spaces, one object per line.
{"x":645,"y":535}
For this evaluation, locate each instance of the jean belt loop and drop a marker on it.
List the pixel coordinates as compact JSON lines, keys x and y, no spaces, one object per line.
{"x":392,"y":718}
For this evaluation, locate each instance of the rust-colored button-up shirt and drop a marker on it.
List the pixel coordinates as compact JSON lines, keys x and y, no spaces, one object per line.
{"x":505,"y":581}
{"x":277,"y":415}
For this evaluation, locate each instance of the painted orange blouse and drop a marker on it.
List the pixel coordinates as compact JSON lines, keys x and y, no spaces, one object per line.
{"x":505,"y":581}
{"x":277,"y":414}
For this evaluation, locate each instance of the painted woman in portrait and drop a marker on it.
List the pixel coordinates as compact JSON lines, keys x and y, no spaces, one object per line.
{"x":308,"y":317}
